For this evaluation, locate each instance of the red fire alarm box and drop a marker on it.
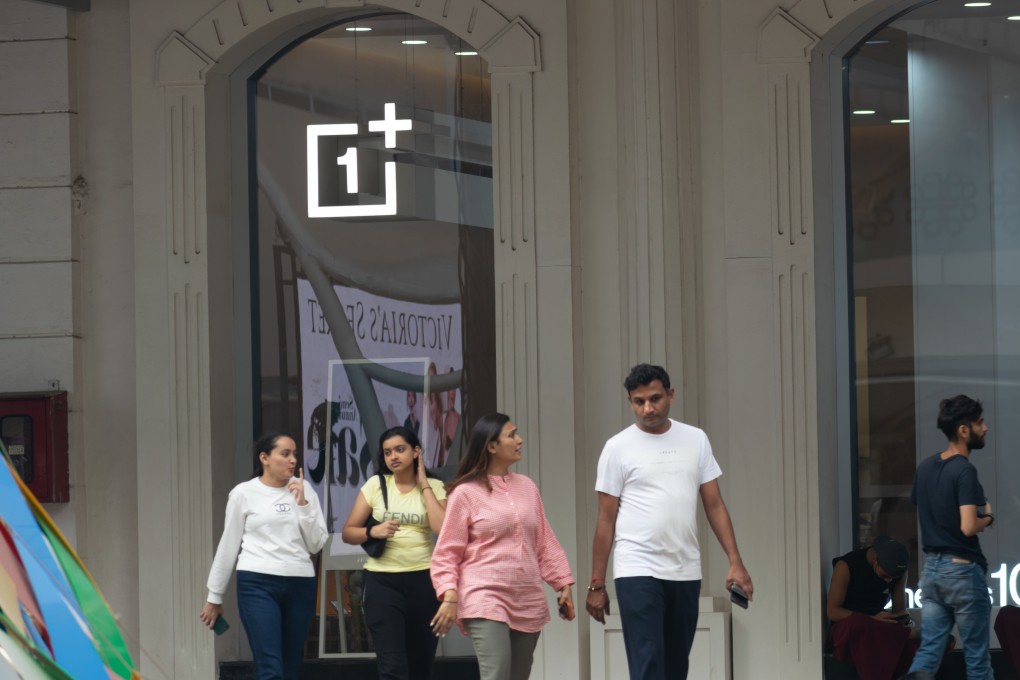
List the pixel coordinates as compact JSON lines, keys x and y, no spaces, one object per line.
{"x":33,"y":427}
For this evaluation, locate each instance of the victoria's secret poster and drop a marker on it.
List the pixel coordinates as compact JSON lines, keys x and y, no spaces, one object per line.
{"x":405,"y":336}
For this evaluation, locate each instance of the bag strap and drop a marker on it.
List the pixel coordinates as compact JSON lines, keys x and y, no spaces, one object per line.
{"x":382,"y":486}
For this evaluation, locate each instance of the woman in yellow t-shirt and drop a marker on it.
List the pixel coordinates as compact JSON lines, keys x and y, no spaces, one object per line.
{"x":399,"y":600}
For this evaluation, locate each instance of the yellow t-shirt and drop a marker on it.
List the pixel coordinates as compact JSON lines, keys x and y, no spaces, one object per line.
{"x":410,"y":549}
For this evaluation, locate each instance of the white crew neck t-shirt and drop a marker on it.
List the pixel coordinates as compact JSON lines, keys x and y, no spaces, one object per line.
{"x":657,"y":478}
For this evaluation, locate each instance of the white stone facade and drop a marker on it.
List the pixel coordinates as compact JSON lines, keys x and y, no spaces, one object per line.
{"x":663,"y":195}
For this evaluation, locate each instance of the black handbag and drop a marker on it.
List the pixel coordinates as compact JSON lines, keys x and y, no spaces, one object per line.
{"x":375,"y":546}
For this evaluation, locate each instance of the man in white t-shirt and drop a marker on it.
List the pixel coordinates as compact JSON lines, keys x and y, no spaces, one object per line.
{"x":650,"y":476}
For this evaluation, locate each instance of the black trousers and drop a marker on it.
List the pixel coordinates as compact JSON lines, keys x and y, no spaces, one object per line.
{"x":398,"y":609}
{"x":660,"y":619}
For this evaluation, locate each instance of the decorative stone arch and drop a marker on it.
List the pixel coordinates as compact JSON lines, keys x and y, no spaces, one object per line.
{"x":509,"y":46}
{"x":179,"y":552}
{"x":794,"y":48}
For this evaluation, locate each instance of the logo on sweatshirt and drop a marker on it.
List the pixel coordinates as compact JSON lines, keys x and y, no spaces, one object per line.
{"x":282,"y":507}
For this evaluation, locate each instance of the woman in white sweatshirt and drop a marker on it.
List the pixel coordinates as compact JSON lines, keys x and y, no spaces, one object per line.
{"x":275,"y":521}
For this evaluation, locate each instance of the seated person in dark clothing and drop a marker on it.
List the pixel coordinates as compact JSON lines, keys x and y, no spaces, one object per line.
{"x":1007,"y":629}
{"x":880,"y":644}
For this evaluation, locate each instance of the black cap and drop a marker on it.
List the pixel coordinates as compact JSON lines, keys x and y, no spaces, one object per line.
{"x":892,"y":556}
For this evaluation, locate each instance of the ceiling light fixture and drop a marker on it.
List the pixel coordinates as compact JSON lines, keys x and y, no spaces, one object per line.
{"x":1014,"y":18}
{"x":863,"y":112}
{"x":876,"y":42}
{"x":899,"y":121}
{"x":977,"y":4}
{"x":466,"y":54}
{"x":358,"y":29}
{"x":415,"y":42}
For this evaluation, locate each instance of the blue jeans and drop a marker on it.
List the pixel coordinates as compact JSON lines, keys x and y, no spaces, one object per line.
{"x":659,"y":621}
{"x":276,"y":612}
{"x":954,"y":591}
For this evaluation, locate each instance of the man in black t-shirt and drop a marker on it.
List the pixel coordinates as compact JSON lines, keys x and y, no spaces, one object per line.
{"x":952,"y":510}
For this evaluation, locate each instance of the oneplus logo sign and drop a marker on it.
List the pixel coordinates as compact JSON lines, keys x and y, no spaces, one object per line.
{"x":389,"y":126}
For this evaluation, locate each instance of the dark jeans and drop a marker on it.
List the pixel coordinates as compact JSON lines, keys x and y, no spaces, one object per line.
{"x":398,"y":609}
{"x":276,"y":612}
{"x":659,"y":621}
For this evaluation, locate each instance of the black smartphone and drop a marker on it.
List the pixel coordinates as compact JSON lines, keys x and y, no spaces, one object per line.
{"x":220,"y":625}
{"x":738,"y":596}
{"x":905,"y":620}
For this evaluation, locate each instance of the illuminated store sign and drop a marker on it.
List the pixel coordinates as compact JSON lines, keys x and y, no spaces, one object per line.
{"x":1008,"y":589}
{"x":389,"y":126}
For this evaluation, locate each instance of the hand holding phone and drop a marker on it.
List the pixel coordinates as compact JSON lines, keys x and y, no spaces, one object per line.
{"x":905,"y":620}
{"x":220,"y":625}
{"x":567,"y":610}
{"x":738,"y":596}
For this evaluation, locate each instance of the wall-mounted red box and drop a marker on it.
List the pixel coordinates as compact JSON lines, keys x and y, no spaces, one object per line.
{"x":33,"y":427}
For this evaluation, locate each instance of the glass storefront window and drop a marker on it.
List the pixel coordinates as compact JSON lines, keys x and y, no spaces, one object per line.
{"x":372,"y":263}
{"x":933,"y":113}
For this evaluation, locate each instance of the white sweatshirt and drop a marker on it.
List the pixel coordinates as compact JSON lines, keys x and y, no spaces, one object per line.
{"x":274,"y":534}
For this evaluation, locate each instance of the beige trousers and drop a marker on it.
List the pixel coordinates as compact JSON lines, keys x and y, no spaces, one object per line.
{"x":503,"y":653}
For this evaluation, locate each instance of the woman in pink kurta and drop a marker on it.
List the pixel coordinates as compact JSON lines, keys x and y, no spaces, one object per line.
{"x":494,"y":551}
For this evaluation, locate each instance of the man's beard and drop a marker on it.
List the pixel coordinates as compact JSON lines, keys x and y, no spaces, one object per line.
{"x":975,"y":441}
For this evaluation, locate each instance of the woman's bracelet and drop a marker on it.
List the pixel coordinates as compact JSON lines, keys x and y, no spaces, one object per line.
{"x":427,"y":488}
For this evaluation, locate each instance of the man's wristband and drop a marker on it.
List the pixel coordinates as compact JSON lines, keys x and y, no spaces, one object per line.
{"x":595,"y":588}
{"x":991,"y":517}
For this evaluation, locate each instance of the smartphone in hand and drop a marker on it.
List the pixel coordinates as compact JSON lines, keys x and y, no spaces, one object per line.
{"x":567,"y":611}
{"x":220,"y":625}
{"x":905,"y":620}
{"x":738,"y":596}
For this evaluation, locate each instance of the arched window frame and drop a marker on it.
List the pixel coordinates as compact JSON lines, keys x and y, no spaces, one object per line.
{"x":201,"y":405}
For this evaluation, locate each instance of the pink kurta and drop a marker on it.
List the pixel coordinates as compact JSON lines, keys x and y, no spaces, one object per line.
{"x":495,"y":549}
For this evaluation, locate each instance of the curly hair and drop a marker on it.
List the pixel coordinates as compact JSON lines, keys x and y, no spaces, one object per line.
{"x":645,"y":374}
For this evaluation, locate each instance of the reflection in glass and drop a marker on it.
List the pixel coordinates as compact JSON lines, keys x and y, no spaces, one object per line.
{"x":935,"y":217}
{"x":400,"y":269}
